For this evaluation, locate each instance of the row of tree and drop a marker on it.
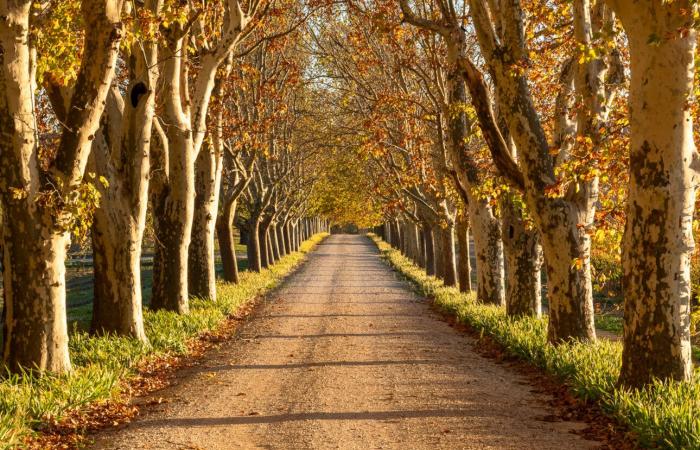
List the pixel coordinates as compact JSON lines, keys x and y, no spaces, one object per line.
{"x":118,"y":119}
{"x":539,"y":126}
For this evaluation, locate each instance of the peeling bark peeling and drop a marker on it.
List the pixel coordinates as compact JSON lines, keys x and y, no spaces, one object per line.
{"x":121,"y":153}
{"x":489,"y":254}
{"x":523,"y":255}
{"x":201,"y":263}
{"x":658,"y":238}
{"x":35,"y":238}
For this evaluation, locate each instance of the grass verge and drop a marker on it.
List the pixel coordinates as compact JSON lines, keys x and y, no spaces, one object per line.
{"x":665,"y":415}
{"x":101,"y":364}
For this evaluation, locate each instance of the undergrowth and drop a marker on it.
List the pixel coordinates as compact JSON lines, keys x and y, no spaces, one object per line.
{"x":102,"y":363}
{"x":665,"y":415}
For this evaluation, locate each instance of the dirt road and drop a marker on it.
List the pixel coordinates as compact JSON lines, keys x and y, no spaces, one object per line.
{"x":345,"y":356}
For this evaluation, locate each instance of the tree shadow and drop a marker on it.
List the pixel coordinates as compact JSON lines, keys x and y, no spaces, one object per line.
{"x":306,"y":365}
{"x":297,"y":417}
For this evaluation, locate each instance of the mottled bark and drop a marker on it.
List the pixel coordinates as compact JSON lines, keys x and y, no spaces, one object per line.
{"x":169,"y":289}
{"x":264,"y":248}
{"x":184,"y":113}
{"x":35,"y":332}
{"x":569,"y":287}
{"x":564,"y":221}
{"x":489,"y":254}
{"x":464,"y":266}
{"x":201,"y":263}
{"x":658,"y":238}
{"x":281,"y":239}
{"x":227,"y":242}
{"x":523,"y":256}
{"x":121,"y":153}
{"x":35,"y":236}
{"x":445,"y":253}
{"x":253,"y":247}
{"x":395,"y":234}
{"x":116,"y":245}
{"x":275,"y":242}
{"x":288,"y":241}
{"x":173,"y":195}
{"x":410,"y":233}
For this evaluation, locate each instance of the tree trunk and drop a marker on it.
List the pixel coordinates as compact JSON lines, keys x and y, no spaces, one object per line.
{"x":403,"y":244}
{"x":523,"y":255}
{"x":429,"y":249}
{"x":412,"y":241}
{"x":172,"y":200}
{"x":658,"y":238}
{"x":464,"y":265}
{"x":35,"y":331}
{"x":227,"y":242}
{"x":564,"y":222}
{"x":120,"y":220}
{"x":288,"y":241}
{"x":169,"y":290}
{"x":254,"y":247}
{"x":445,"y":250}
{"x":275,"y":242}
{"x":173,"y":196}
{"x":116,"y":248}
{"x":263,"y":237}
{"x":395,"y":235}
{"x":270,"y":246}
{"x":295,"y":235}
{"x":35,"y":239}
{"x":202,"y":264}
{"x":567,"y":252}
{"x":421,"y":245}
{"x":489,"y":253}
{"x":279,"y":229}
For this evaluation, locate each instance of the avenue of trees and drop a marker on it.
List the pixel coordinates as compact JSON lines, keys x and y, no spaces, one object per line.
{"x":120,"y":117}
{"x":538,"y":131}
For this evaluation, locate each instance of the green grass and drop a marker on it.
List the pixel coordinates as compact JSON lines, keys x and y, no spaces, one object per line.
{"x":102,"y":363}
{"x":608,"y":322}
{"x":665,"y":415}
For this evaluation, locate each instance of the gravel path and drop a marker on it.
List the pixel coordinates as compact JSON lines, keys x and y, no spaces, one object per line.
{"x":346,"y":356}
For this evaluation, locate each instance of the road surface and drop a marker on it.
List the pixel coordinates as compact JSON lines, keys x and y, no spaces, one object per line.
{"x":345,"y":356}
